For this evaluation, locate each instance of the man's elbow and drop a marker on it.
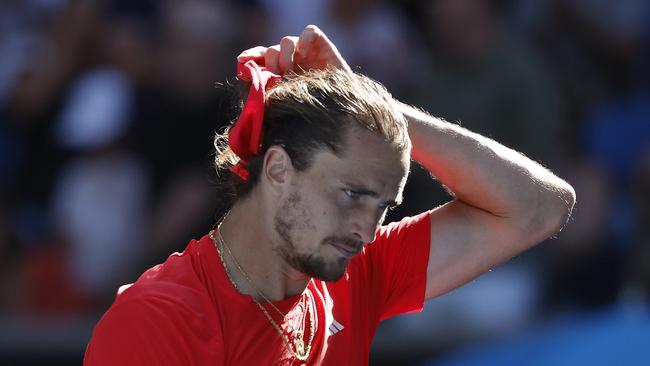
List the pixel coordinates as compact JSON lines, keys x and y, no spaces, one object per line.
{"x":555,"y":208}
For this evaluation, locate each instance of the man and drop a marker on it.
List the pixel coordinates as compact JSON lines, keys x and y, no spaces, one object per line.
{"x":312,"y":164}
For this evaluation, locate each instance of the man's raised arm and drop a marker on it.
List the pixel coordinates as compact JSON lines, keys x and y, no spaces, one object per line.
{"x":504,"y":203}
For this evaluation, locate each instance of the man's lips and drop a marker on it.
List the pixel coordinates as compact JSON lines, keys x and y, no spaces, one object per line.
{"x":347,"y":251}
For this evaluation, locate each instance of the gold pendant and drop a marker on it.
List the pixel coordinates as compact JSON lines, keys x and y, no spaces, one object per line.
{"x":299,"y":345}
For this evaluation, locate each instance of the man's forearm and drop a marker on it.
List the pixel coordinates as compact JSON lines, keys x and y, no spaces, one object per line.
{"x":488,"y":175}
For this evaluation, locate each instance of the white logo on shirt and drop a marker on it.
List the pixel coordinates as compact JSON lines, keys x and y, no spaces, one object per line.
{"x":335,"y":327}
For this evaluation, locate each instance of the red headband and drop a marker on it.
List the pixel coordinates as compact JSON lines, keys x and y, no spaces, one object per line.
{"x":245,"y":137}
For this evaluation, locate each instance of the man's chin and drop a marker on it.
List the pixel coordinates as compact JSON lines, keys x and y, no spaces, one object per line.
{"x":332,"y":274}
{"x":330,"y":277}
{"x":328,"y":270}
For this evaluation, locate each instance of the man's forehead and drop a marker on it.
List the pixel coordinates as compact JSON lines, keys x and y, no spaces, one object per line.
{"x":370,"y":150}
{"x":358,"y":169}
{"x":368,"y":162}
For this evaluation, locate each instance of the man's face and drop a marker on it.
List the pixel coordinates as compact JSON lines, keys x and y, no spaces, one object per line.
{"x":335,"y":206}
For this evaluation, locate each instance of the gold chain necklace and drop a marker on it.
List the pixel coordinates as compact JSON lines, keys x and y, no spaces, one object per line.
{"x":299,"y":350}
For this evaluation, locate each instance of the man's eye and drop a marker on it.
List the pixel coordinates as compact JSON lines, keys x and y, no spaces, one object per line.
{"x":350,"y":193}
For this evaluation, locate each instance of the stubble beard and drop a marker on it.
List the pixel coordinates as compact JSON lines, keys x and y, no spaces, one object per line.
{"x":290,"y":216}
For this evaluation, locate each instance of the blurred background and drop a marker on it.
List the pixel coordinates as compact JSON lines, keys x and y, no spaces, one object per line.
{"x":108,"y":109}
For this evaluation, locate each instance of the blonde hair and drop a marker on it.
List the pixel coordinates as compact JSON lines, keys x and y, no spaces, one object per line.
{"x":310,"y":111}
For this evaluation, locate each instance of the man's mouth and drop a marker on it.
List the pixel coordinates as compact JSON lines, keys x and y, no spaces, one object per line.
{"x":347,"y":251}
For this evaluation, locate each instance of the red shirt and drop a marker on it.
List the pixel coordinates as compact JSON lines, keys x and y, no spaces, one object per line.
{"x":186,"y":312}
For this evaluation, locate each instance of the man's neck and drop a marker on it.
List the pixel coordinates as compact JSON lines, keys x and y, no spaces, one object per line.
{"x":247,"y":231}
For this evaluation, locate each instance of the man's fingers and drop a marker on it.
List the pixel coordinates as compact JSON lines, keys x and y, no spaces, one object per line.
{"x":287,"y":48}
{"x":254,"y":53}
{"x":271,"y":59}
{"x":312,"y":49}
{"x":307,"y":37}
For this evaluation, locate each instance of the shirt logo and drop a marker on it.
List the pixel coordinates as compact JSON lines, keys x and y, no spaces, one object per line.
{"x":335,"y":327}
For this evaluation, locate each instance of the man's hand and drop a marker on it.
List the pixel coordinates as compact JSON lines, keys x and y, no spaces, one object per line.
{"x":312,"y":50}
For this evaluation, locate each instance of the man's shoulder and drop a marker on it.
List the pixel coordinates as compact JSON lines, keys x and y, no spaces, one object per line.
{"x":401,"y":227}
{"x":174,"y":283}
{"x":165,"y":317}
{"x":161,"y":303}
{"x":160,"y":291}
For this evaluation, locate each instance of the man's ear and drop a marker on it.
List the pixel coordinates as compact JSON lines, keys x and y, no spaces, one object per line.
{"x":277,"y":168}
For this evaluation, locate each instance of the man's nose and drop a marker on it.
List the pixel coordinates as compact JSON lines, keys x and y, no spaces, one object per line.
{"x":365,"y":225}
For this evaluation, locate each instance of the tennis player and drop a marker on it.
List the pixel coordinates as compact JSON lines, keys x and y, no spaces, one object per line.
{"x":300,"y":269}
